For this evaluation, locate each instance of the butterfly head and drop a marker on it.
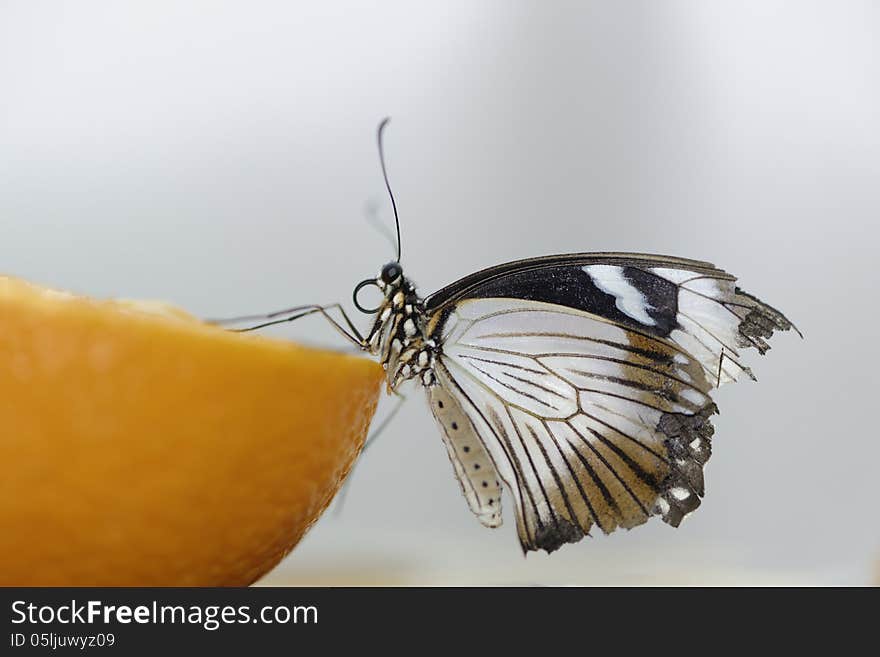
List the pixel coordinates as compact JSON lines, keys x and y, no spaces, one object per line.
{"x":398,"y":299}
{"x":389,"y":282}
{"x":397,"y":336}
{"x":390,"y":274}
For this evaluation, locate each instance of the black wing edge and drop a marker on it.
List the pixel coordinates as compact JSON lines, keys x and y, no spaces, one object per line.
{"x":760,"y":320}
{"x":460,"y":288}
{"x":688,"y":442}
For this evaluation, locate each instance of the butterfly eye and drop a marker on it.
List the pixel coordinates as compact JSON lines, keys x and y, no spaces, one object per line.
{"x":391,"y":272}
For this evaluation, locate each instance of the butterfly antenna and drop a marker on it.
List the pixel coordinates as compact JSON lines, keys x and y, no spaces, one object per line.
{"x":385,"y":177}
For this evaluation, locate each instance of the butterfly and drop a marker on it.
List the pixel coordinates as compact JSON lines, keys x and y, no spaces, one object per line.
{"x":580,"y":384}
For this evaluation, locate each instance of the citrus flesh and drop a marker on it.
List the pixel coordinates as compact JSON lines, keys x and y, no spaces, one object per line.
{"x":142,"y":447}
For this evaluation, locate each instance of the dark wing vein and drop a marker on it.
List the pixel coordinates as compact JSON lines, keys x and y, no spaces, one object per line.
{"x":626,"y":435}
{"x":505,"y":364}
{"x":623,"y":397}
{"x":628,"y":383}
{"x":609,"y":498}
{"x":646,"y":353}
{"x":516,"y":390}
{"x":711,"y":334}
{"x":570,"y":354}
{"x":534,"y":470}
{"x":586,"y":498}
{"x":611,"y":468}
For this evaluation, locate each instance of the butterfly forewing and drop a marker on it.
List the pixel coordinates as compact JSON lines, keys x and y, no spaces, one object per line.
{"x":692,"y":303}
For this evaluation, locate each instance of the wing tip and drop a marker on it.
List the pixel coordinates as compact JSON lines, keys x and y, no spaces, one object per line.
{"x":761,"y":321}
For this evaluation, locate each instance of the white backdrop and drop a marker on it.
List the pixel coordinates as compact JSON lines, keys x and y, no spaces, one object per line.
{"x":219,"y":155}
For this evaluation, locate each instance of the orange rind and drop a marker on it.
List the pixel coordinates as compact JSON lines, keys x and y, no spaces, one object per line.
{"x":143,"y":447}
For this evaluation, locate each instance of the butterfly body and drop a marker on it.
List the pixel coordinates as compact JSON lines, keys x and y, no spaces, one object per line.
{"x":399,"y":337}
{"x":578,"y":383}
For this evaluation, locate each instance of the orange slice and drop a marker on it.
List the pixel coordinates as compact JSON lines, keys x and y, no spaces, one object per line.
{"x":140,"y":446}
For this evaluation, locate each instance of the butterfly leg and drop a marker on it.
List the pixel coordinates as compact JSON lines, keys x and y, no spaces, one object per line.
{"x":349,"y":331}
{"x":261,"y":316}
{"x":340,"y":500}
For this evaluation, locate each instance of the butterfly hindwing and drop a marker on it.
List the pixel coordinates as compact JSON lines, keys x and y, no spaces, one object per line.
{"x":570,"y":407}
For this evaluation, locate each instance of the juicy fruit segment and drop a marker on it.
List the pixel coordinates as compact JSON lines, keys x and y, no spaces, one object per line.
{"x":143,"y":447}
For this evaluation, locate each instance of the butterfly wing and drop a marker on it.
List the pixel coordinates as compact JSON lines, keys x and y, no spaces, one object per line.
{"x":692,"y":303}
{"x":590,"y":393}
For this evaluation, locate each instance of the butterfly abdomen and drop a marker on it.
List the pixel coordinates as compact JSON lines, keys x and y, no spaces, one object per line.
{"x":474,"y":469}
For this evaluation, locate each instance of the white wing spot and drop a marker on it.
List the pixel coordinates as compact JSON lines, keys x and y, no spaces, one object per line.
{"x":680,"y":493}
{"x":628,"y":299}
{"x":693,"y":396}
{"x":673,"y":275}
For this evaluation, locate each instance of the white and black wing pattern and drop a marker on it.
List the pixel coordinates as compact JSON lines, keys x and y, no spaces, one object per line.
{"x":693,"y":303}
{"x":713,"y":319}
{"x":569,"y":408}
{"x":588,"y":384}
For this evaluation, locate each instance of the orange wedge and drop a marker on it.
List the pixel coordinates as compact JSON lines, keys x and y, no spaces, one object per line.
{"x":142,"y":447}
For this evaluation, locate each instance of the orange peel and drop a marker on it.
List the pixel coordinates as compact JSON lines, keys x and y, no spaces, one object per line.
{"x":142,"y":447}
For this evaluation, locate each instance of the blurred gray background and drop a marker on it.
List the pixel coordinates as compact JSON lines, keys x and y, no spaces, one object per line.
{"x":220,"y":155}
